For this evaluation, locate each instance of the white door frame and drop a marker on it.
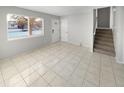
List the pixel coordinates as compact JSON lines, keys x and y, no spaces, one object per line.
{"x":64,"y":29}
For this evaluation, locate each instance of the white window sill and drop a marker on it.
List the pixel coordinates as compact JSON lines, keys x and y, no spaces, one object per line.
{"x":28,"y":37}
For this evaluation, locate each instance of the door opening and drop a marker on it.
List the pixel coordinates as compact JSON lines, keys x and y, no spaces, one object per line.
{"x":103,"y":17}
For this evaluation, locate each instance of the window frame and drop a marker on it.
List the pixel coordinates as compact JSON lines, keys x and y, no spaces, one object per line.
{"x":28,"y":35}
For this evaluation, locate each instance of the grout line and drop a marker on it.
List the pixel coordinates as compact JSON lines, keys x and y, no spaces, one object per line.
{"x":113,"y":72}
{"x":2,"y":78}
{"x":75,"y":68}
{"x":86,"y":71}
{"x":100,"y":70}
{"x":20,"y":75}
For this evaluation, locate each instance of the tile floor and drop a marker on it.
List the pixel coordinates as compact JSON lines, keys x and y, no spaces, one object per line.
{"x":61,"y":65}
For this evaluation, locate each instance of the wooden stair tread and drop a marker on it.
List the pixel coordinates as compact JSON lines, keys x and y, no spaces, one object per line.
{"x":103,"y":43}
{"x":102,"y":34}
{"x":103,"y":39}
{"x":104,"y":52}
{"x":104,"y":29}
{"x":104,"y":47}
{"x":105,"y":32}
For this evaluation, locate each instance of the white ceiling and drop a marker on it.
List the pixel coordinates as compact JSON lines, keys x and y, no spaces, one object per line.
{"x":60,"y":10}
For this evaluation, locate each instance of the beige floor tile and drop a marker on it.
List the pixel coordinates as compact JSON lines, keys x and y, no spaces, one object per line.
{"x":93,"y":70}
{"x":107,"y":75}
{"x":9,"y":72}
{"x":120,"y":81}
{"x":91,"y":77}
{"x":108,"y":85}
{"x":22,"y":66}
{"x":38,"y":65}
{"x":42,"y":70}
{"x":2,"y":84}
{"x":58,"y":82}
{"x":107,"y":69}
{"x":52,"y":63}
{"x":27,"y":72}
{"x":5,"y":63}
{"x":85,"y":60}
{"x":65,"y":73}
{"x":110,"y":82}
{"x":82,"y":66}
{"x":15,"y":81}
{"x":39,"y":83}
{"x":75,"y":81}
{"x":89,"y":84}
{"x":49,"y":76}
{"x":79,"y":73}
{"x":119,"y":73}
{"x":57,"y":69}
{"x":107,"y":79}
{"x":31,"y":78}
{"x":18,"y":84}
{"x":95,"y":64}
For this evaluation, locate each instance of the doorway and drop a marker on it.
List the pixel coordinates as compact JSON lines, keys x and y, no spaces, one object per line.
{"x":103,"y":17}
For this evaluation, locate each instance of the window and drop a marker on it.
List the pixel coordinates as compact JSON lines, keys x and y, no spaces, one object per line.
{"x":24,"y":26}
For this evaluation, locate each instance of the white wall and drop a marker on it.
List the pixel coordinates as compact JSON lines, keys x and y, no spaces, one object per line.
{"x":118,"y":31}
{"x":80,"y":29}
{"x":122,"y":34}
{"x":123,"y":44}
{"x":9,"y":48}
{"x":111,"y":17}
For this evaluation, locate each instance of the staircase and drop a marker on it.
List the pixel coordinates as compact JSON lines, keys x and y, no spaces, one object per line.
{"x":104,"y":42}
